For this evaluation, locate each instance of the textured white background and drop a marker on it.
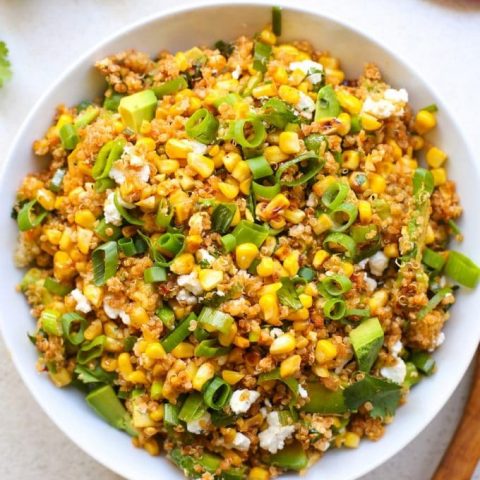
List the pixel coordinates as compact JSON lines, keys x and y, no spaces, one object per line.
{"x":440,"y":38}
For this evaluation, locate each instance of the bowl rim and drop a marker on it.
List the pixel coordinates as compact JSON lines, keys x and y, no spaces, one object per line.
{"x":192,"y":5}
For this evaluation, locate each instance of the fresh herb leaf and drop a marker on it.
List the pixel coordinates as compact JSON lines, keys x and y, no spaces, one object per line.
{"x":5,"y":70}
{"x":94,"y":375}
{"x":288,"y":295}
{"x":225,"y":48}
{"x":278,"y":114}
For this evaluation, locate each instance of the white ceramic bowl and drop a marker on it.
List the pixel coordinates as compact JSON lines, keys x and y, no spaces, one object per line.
{"x":180,"y":29}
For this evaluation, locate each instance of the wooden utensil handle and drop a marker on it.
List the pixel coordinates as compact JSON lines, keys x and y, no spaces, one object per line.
{"x":463,"y":453}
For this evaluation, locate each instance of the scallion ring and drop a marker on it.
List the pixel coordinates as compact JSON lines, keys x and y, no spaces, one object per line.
{"x":335,"y":195}
{"x":255,"y":138}
{"x":105,"y":262}
{"x":314,"y":165}
{"x":170,"y":244}
{"x":259,"y":167}
{"x":73,"y":326}
{"x":267,"y":192}
{"x":344,"y":216}
{"x":90,"y":351}
{"x":340,"y":242}
{"x":335,"y":308}
{"x":217,"y":393}
{"x":209,"y":349}
{"x":108,"y":154}
{"x":336,"y":284}
{"x":202,"y":126}
{"x":131,"y":219}
{"x":462,"y":270}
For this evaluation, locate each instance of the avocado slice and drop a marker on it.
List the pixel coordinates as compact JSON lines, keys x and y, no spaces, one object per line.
{"x":324,"y":401}
{"x":138,"y":107}
{"x":367,"y":340}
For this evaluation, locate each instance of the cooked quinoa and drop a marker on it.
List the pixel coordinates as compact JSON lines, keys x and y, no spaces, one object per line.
{"x":236,"y":254}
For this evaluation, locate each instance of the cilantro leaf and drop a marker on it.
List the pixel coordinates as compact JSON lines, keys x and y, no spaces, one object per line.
{"x":278,"y":114}
{"x":5,"y":70}
{"x":383,"y":395}
{"x":288,"y":295}
{"x":94,"y":375}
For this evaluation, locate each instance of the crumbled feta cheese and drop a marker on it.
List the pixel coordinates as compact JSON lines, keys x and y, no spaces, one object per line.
{"x":242,"y":400}
{"x":143,"y":174}
{"x":112,"y":215}
{"x":273,"y":438}
{"x":392,"y":103}
{"x":396,"y":373}
{"x":241,"y":442}
{"x":191,"y":283}
{"x":185,"y":296}
{"x":313,"y":70}
{"x":302,"y":392}
{"x":130,"y":156}
{"x":117,"y":174}
{"x":312,"y":200}
{"x":198,"y":426}
{"x":236,"y":73}
{"x":296,"y":230}
{"x":440,"y":339}
{"x":370,"y":282}
{"x":197,"y":223}
{"x":115,"y":312}
{"x":305,"y":106}
{"x":276,"y":332}
{"x":396,"y":96}
{"x":197,"y":147}
{"x":83,"y":305}
{"x":378,"y":263}
{"x":397,"y":347}
{"x":205,"y":256}
{"x":363,"y":263}
{"x":220,"y":293}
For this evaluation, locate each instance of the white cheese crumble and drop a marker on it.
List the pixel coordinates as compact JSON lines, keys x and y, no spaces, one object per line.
{"x":112,"y":215}
{"x":302,"y":392}
{"x":241,"y":442}
{"x":115,"y":312}
{"x":397,"y":372}
{"x":440,"y":339}
{"x":273,"y":438}
{"x":276,"y":332}
{"x":197,"y":147}
{"x":205,"y":256}
{"x":242,"y":400}
{"x":396,"y":96}
{"x":392,"y":103}
{"x":378,"y":263}
{"x":236,"y":73}
{"x":370,"y":283}
{"x":305,"y":106}
{"x":117,"y":175}
{"x":191,"y":283}
{"x":198,"y":426}
{"x":143,"y":174}
{"x":82,"y":303}
{"x":313,"y":70}
{"x":184,"y":296}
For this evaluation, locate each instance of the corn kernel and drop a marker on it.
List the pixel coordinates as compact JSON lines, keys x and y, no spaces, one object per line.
{"x":290,"y":366}
{"x":183,"y":264}
{"x":138,"y":316}
{"x":439,"y":176}
{"x":181,"y":61}
{"x":63,"y":120}
{"x":349,"y":102}
{"x":319,"y":257}
{"x":299,"y":315}
{"x":108,"y":364}
{"x":396,"y":150}
{"x":369,"y":122}
{"x":124,"y":364}
{"x":283,"y":344}
{"x":270,"y":309}
{"x":46,"y":198}
{"x":53,"y":236}
{"x":391,"y":250}
{"x":436,"y":157}
{"x":241,"y":342}
{"x":202,"y":165}
{"x":289,"y":142}
{"x":348,"y":268}
{"x":273,"y":154}
{"x":294,"y":216}
{"x":241,"y":171}
{"x":417,"y":142}
{"x":210,"y":278}
{"x":167,"y":167}
{"x":424,"y":121}
{"x":275,"y":206}
{"x":351,"y":440}
{"x":325,"y":351}
{"x":183,"y":350}
{"x":267,"y":36}
{"x":334,"y":76}
{"x":280,"y":75}
{"x":364,"y":211}
{"x":155,"y":351}
{"x":232,"y":377}
{"x":289,"y":94}
{"x":63,"y":268}
{"x":266,"y":267}
{"x":229,"y":190}
{"x":306,"y":300}
{"x":377,"y":301}
{"x":245,"y":186}
{"x":137,"y":377}
{"x":429,"y":235}
{"x":290,"y":264}
{"x":146,"y":144}
{"x":230,"y":160}
{"x":322,"y":224}
{"x":94,"y":294}
{"x":265,"y":90}
{"x":177,"y":149}
{"x":377,"y":183}
{"x":258,"y":473}
{"x":236,"y":217}
{"x":205,"y":372}
{"x":85,"y":218}
{"x":321,"y":186}
{"x":226,"y":339}
{"x":350,"y":159}
{"x":157,"y":414}
{"x":271,"y":288}
{"x":84,"y":237}
{"x":245,"y":254}
{"x":93,"y":330}
{"x":345,"y":123}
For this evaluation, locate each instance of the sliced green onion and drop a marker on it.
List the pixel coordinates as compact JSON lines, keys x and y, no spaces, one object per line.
{"x":363,"y":234}
{"x":278,"y":114}
{"x":88,"y":116}
{"x":107,"y":231}
{"x":355,"y":124}
{"x":202,"y":126}
{"x":259,"y":167}
{"x":228,"y":242}
{"x":412,"y":376}
{"x":344,"y":216}
{"x":261,"y":56}
{"x":181,"y":332}
{"x":266,"y":191}
{"x":287,"y":295}
{"x":170,"y":244}
{"x":129,"y":343}
{"x":73,"y":326}
{"x":335,"y":308}
{"x":56,"y":182}
{"x":340,"y":242}
{"x":103,"y":184}
{"x":164,"y":214}
{"x":201,"y":334}
{"x":222,"y":419}
{"x":222,"y":217}
{"x":170,"y":414}
{"x":170,"y":86}
{"x":454,"y":227}
{"x":327,"y":103}
{"x":423,"y":181}
{"x":249,"y":232}
{"x":314,"y":165}
{"x":274,"y":375}
{"x":433,"y":259}
{"x":292,"y":457}
{"x":336,"y":284}
{"x":112,"y":102}
{"x":155,"y":274}
{"x":57,"y":288}
{"x":49,"y":321}
{"x":27,"y":219}
{"x":423,"y":361}
{"x":462,"y":270}
{"x":430,"y":108}
{"x":335,"y":195}
{"x":108,"y":154}
{"x":68,"y":136}
{"x":166,"y":316}
{"x":307,"y":273}
{"x":255,"y":139}
{"x":217,"y":393}
{"x":216,"y":320}
{"x":210,"y":349}
{"x":84,"y":104}
{"x":131,"y":219}
{"x":316,"y":142}
{"x":127,"y":246}
{"x":90,"y":351}
{"x":434,"y":302}
{"x":277,"y":20}
{"x":105,"y":262}
{"x":193,"y":408}
{"x":230,"y":99}
{"x":358,"y":312}
{"x":106,"y":404}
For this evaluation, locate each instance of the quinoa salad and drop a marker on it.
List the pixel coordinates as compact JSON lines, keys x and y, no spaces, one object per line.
{"x":239,"y":255}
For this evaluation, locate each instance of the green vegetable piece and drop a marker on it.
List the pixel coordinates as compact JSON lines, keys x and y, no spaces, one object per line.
{"x":423,"y":361}
{"x":324,"y":401}
{"x":222,"y":217}
{"x":216,"y":320}
{"x":32,"y":276}
{"x":423,"y":181}
{"x":307,"y":273}
{"x":287,"y":295}
{"x":412,"y":376}
{"x":92,"y":350}
{"x":249,"y":232}
{"x":136,"y":108}
{"x":193,"y":408}
{"x":94,"y":375}
{"x":5,"y":66}
{"x":112,"y":102}
{"x":316,"y":142}
{"x":278,"y":114}
{"x":181,"y":332}
{"x":31,"y":215}
{"x":170,"y":415}
{"x":462,"y":269}
{"x":171,"y":86}
{"x":261,"y":56}
{"x":292,"y":457}
{"x":68,"y":136}
{"x":367,"y":340}
{"x":167,"y":317}
{"x":327,"y":103}
{"x":49,"y":321}
{"x":277,"y":20}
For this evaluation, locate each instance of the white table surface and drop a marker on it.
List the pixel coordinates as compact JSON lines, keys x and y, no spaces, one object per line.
{"x":440,"y":38}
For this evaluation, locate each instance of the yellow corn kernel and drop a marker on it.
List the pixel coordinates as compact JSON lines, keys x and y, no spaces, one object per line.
{"x":321,"y":186}
{"x":258,"y":473}
{"x":377,"y":183}
{"x":289,"y":142}
{"x":320,"y":371}
{"x":290,"y":264}
{"x":348,"y":268}
{"x":53,"y":236}
{"x":436,"y":157}
{"x":350,"y":159}
{"x":183,"y":264}
{"x":108,"y":364}
{"x":323,"y":223}
{"x":299,"y":315}
{"x":325,"y":351}
{"x":396,"y":150}
{"x":167,"y":167}
{"x":241,"y":171}
{"x":439,"y":176}
{"x":177,"y":149}
{"x":241,"y":342}
{"x":205,"y":372}
{"x":84,"y":237}
{"x":275,"y":206}
{"x":280,"y":75}
{"x":290,"y":366}
{"x":94,"y":294}
{"x":183,"y":350}
{"x":93,"y":330}
{"x":424,"y":121}
{"x":271,"y":288}
{"x":266,"y":267}
{"x":146,"y":144}
{"x":429,"y":235}
{"x":349,"y":102}
{"x":329,"y":62}
{"x":226,"y":339}
{"x":203,"y":165}
{"x":210,"y":278}
{"x":294,"y":216}
{"x":245,"y":254}
{"x":334,"y":76}
{"x":289,"y":94}
{"x":85,"y":218}
{"x":345,"y":123}
{"x":364,"y":210}
{"x":265,"y":90}
{"x":46,"y":198}
{"x":138,"y":316}
{"x":417,"y":142}
{"x":306,"y":300}
{"x":351,"y":440}
{"x":124,"y":364}
{"x":63,"y":119}
{"x":232,"y":377}
{"x":369,"y":122}
{"x":236,"y":218}
{"x":136,"y":377}
{"x":155,"y":351}
{"x":181,"y":61}
{"x":267,"y":36}
{"x":391,"y":250}
{"x":158,"y":414}
{"x":230,"y":160}
{"x":377,"y":301}
{"x":270,"y":309}
{"x":145,"y":127}
{"x":273,"y":154}
{"x":245,"y":186}
{"x":319,"y":257}
{"x":229,"y":190}
{"x":283,"y":344}
{"x":63,"y":268}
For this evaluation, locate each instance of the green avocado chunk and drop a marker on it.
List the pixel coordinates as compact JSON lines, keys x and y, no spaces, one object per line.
{"x":138,"y":107}
{"x":324,"y":401}
{"x":367,"y":340}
